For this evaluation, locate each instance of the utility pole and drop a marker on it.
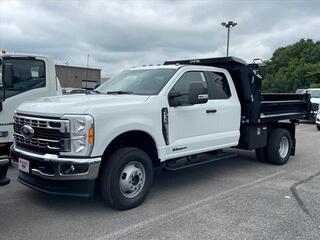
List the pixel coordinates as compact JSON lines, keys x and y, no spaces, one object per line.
{"x":228,"y":25}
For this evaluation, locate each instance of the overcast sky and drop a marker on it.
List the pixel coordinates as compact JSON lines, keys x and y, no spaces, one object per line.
{"x":121,"y":34}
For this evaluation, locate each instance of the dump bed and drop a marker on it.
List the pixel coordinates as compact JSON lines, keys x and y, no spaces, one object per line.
{"x":256,"y":108}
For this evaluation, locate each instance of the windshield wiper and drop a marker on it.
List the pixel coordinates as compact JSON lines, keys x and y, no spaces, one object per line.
{"x":119,"y":92}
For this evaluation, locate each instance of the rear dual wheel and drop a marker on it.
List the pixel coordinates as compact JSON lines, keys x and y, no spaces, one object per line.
{"x":279,"y":147}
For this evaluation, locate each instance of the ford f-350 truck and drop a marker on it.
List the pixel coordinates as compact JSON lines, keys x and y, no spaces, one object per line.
{"x":177,"y":115}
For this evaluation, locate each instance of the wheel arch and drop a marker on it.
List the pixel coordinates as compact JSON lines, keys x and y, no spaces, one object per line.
{"x":134,"y":138}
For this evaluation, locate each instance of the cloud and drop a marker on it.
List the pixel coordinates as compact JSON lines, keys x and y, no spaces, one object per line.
{"x":121,"y":34}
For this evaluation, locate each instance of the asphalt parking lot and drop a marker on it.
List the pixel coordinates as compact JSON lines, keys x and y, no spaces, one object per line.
{"x":238,"y":198}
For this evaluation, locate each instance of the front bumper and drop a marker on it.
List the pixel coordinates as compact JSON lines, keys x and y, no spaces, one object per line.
{"x":4,"y":163}
{"x":51,"y":173}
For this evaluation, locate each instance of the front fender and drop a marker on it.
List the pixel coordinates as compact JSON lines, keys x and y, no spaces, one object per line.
{"x":107,"y":134}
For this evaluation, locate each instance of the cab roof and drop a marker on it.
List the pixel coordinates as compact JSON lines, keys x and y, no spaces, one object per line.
{"x":24,"y":55}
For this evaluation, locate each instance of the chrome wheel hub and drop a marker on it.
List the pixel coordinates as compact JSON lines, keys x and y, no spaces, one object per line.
{"x":284,"y":147}
{"x":132,"y":179}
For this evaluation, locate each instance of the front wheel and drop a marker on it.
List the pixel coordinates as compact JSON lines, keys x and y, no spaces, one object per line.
{"x":318,"y":127}
{"x":279,"y":146}
{"x":126,"y":178}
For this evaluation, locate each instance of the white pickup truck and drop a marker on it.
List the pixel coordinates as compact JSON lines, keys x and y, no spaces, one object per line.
{"x":23,"y":77}
{"x":176,"y":115}
{"x":315,"y":100}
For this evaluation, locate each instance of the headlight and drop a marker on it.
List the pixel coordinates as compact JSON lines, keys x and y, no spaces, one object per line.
{"x":81,"y":135}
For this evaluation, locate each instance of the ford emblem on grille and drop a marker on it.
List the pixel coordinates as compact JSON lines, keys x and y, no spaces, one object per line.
{"x":27,"y":131}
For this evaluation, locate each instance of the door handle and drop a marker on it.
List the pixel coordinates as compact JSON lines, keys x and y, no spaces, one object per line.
{"x":211,"y":110}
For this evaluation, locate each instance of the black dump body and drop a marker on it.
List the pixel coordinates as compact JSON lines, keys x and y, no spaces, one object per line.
{"x":257,"y":109}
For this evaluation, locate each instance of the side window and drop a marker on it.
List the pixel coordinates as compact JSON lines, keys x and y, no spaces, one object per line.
{"x":27,"y":75}
{"x":182,"y":85}
{"x":220,"y":85}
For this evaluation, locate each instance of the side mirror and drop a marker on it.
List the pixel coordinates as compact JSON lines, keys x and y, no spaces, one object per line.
{"x":8,"y":75}
{"x":198,"y":93}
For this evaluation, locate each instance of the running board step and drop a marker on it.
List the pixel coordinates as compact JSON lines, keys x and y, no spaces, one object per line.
{"x":193,"y":161}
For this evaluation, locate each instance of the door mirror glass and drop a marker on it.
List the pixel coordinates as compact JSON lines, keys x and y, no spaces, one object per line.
{"x":174,"y":98}
{"x":198,"y":93}
{"x":8,"y":75}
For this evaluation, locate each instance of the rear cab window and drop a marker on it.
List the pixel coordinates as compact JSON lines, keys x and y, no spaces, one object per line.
{"x":218,"y":85}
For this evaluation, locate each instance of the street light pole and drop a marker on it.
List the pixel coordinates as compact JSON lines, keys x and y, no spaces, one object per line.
{"x":228,"y":25}
{"x":228,"y":37}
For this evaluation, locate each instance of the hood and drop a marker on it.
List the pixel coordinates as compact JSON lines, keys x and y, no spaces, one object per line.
{"x":77,"y":104}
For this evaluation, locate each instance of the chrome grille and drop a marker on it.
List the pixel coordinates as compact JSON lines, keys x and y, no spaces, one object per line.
{"x":36,"y":142}
{"x":49,"y":134}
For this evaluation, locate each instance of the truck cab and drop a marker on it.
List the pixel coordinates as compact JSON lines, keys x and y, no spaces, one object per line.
{"x":23,"y":77}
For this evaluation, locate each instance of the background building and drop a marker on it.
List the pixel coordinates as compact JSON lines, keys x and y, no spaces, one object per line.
{"x":78,"y":77}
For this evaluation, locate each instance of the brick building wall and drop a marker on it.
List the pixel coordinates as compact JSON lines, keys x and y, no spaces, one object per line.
{"x":78,"y":77}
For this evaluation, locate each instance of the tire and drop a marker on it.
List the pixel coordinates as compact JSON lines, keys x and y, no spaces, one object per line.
{"x":318,"y":127}
{"x":262,"y":154}
{"x":127,"y":163}
{"x":276,"y":154}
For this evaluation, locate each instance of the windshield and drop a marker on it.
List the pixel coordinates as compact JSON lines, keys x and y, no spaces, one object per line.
{"x":301,"y":91}
{"x":28,"y":74}
{"x":141,"y":82}
{"x":314,"y":93}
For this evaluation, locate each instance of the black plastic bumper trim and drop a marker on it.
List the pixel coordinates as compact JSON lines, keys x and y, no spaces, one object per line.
{"x":76,"y":188}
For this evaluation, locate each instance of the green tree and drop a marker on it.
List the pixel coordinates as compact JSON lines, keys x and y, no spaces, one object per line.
{"x":292,"y":67}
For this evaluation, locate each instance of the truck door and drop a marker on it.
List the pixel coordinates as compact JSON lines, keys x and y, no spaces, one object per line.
{"x":192,"y":128}
{"x":29,"y":83}
{"x":224,"y":96}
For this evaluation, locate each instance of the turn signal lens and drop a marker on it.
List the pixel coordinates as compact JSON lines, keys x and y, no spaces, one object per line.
{"x":91,"y":136}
